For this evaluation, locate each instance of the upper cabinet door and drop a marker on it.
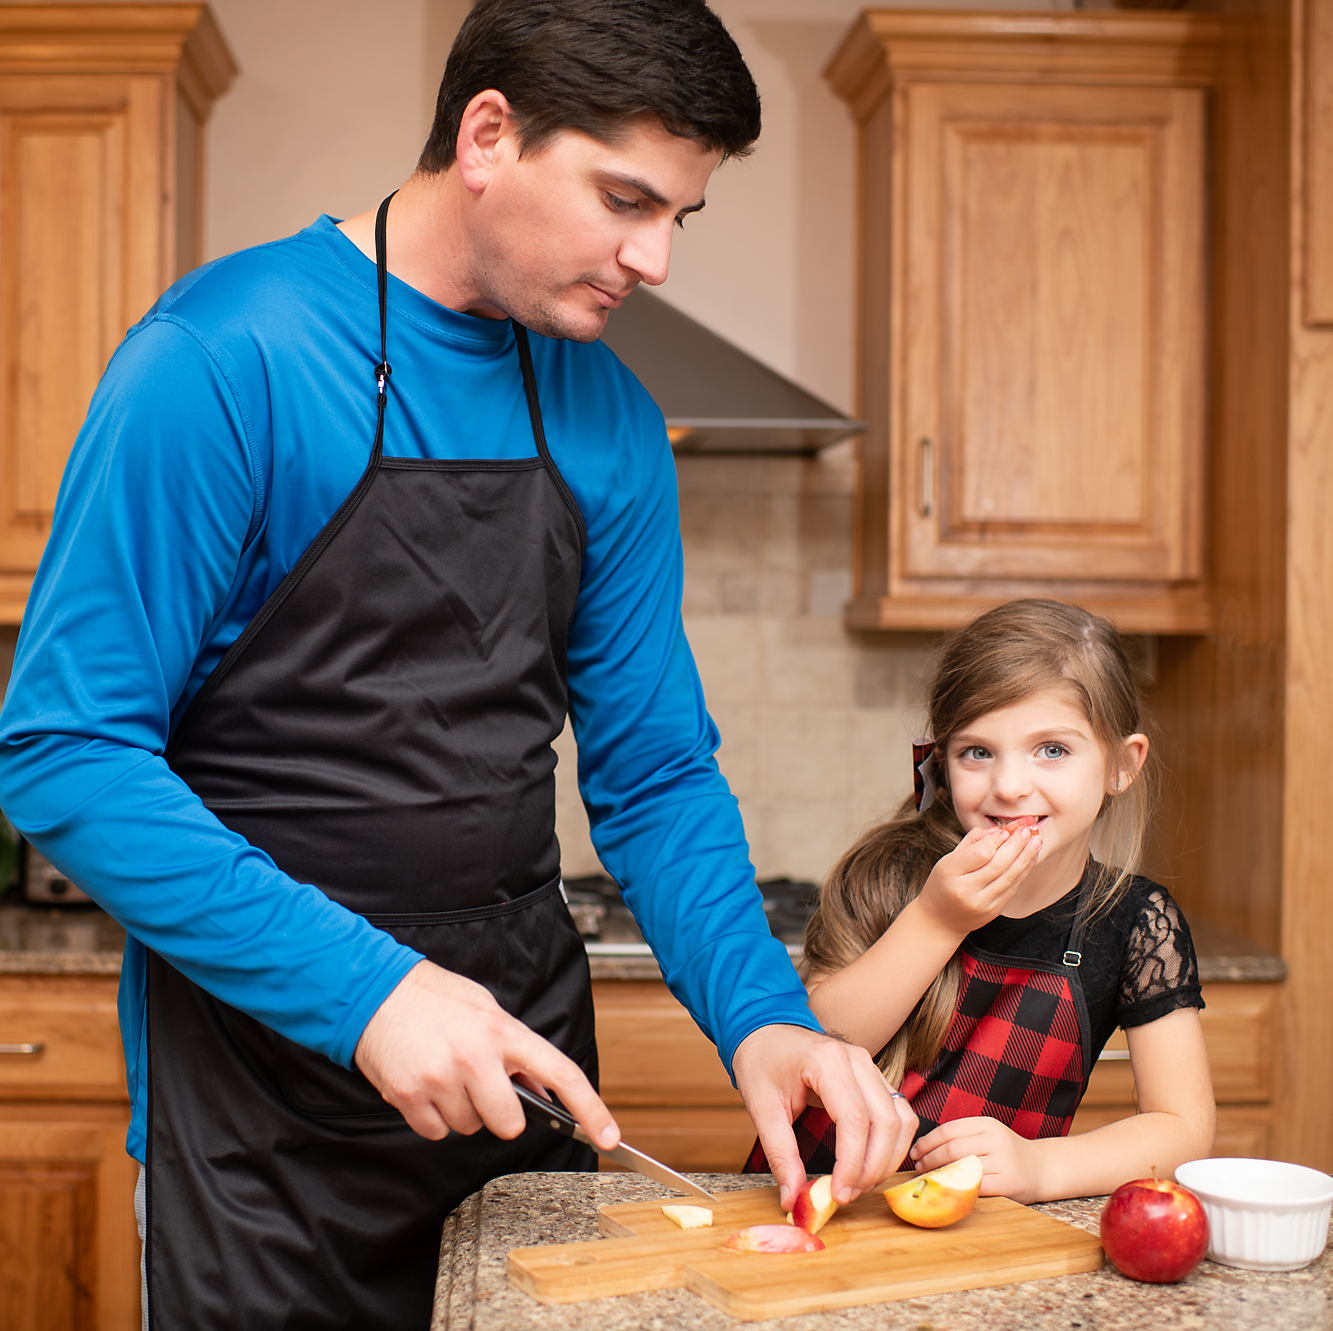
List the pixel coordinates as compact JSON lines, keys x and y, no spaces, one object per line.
{"x":1033,"y":263}
{"x":1053,"y":351}
{"x":101,"y":122}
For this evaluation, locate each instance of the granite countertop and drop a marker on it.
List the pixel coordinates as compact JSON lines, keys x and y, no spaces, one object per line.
{"x":83,"y":940}
{"x":473,"y":1292}
{"x":59,"y":940}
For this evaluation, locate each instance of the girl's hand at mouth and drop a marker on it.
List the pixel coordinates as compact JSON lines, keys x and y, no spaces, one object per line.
{"x":974,"y":882}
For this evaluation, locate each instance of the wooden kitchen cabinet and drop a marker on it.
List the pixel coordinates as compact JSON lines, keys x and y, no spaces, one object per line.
{"x":101,"y":139}
{"x":1033,"y":220}
{"x":663,"y":1080}
{"x":1239,"y":1027}
{"x":69,"y":1249}
{"x":665,"y":1084}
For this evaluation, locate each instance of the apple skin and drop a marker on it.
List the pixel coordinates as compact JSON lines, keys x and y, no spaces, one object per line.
{"x":942,"y":1197}
{"x":814,"y":1204}
{"x":774,"y":1238}
{"x":1154,"y":1230}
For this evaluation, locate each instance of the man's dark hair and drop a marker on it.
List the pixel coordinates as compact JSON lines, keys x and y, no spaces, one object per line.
{"x":595,"y":66}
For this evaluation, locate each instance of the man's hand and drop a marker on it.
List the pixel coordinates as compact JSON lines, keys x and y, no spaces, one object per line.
{"x":781,"y":1069}
{"x":441,"y":1050}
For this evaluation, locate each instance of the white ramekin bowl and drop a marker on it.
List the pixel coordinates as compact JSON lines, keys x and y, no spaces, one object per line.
{"x":1263,"y":1215}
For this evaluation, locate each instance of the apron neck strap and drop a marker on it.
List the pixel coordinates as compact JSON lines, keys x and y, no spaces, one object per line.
{"x":1073,"y":948}
{"x":383,"y":370}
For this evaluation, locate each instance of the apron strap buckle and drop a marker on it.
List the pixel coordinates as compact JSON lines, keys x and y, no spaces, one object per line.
{"x":1072,"y":958}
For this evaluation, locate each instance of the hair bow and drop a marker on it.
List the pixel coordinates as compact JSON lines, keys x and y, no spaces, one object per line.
{"x":923,"y":782}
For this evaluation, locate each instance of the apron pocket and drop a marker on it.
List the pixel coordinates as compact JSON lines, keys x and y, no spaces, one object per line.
{"x":526,"y":952}
{"x":320,"y":1088}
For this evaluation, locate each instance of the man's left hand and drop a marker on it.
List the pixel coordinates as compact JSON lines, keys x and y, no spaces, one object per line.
{"x":781,"y":1069}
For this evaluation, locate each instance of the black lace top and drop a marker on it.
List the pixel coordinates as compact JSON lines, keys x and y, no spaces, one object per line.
{"x":1138,"y":958}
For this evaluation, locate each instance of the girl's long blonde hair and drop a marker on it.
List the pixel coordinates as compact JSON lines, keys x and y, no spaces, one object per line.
{"x":1002,"y":657}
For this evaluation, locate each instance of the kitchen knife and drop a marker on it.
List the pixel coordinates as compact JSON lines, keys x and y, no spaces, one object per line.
{"x":551,"y":1115}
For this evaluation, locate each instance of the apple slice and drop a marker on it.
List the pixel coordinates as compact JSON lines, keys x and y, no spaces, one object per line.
{"x":689,"y":1217}
{"x":814,"y":1204}
{"x":939,"y":1198}
{"x":774,"y":1238}
{"x":1023,"y":820}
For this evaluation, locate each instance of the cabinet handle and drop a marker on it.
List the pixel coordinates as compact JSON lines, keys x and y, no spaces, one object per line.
{"x":927,"y":478}
{"x":23,"y":1048}
{"x":1113,"y":1056}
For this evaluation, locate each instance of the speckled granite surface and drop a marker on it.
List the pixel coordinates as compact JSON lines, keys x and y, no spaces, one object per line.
{"x":85,"y":941}
{"x":69,"y":940}
{"x":474,"y":1294}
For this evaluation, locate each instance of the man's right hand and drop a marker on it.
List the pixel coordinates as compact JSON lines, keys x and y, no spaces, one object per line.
{"x":441,"y":1050}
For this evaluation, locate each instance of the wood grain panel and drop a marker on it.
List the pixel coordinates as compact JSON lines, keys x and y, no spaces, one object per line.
{"x":1032,"y":244}
{"x":69,"y":1252}
{"x":47,"y":1223}
{"x":1053,"y":348}
{"x":1219,"y":700}
{"x":1052,"y":279}
{"x":1245,"y":1131}
{"x":61,"y":179}
{"x":652,"y":1053}
{"x":1318,"y":219}
{"x":1239,"y":1029}
{"x":1303,"y":1125}
{"x":74,"y":1021}
{"x":101,"y":108}
{"x":705,"y":1140}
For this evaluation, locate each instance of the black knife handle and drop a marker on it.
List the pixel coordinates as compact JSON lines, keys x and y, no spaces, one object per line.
{"x":541,"y":1110}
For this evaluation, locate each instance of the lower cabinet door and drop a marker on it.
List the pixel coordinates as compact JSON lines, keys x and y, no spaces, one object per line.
{"x":69,"y":1250}
{"x":662,"y":1079}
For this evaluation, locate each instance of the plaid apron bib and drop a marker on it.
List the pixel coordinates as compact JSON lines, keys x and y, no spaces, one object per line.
{"x":1018,"y":1050}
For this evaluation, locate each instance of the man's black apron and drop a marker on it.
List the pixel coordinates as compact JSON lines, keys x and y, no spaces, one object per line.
{"x":1018,"y":1049}
{"x":383,"y":730}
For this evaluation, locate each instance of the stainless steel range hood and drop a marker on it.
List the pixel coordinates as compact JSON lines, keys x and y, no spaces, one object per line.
{"x":715,"y":397}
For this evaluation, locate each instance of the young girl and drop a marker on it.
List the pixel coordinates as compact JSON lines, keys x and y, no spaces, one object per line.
{"x":982,"y":951}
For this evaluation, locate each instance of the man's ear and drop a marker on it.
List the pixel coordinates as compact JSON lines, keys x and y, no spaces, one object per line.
{"x":487,"y":120}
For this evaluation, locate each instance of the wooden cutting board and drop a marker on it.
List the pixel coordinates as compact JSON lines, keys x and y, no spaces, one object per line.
{"x":870,"y":1256}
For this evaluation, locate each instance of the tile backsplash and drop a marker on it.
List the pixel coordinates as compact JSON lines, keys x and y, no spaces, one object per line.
{"x":816,"y":722}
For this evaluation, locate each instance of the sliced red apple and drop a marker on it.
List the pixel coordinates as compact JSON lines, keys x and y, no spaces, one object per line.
{"x":774,"y":1238}
{"x":939,"y":1198}
{"x":814,"y":1204}
{"x":689,"y":1217}
{"x":1023,"y":820}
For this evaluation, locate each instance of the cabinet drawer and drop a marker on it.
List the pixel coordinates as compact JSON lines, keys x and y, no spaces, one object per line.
{"x":1242,"y":1130}
{"x":1238,"y":1030}
{"x":703,"y":1140}
{"x":1238,"y":1026}
{"x":651,"y":1052}
{"x":70,"y":1025}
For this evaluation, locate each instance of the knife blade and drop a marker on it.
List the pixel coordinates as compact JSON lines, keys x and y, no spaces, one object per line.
{"x":560,"y":1120}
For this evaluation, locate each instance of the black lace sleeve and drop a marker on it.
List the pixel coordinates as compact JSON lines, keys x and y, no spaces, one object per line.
{"x":1160,"y":972}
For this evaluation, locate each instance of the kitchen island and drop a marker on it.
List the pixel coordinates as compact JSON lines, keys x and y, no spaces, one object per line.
{"x":474,"y":1294}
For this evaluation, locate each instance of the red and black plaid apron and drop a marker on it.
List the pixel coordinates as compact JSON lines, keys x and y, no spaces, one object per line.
{"x":1018,"y":1050}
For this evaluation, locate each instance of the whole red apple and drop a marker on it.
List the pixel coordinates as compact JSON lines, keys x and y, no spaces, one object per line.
{"x":1154,"y":1230}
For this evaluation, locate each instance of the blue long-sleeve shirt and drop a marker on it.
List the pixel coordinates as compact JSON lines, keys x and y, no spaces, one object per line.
{"x":229,"y":426}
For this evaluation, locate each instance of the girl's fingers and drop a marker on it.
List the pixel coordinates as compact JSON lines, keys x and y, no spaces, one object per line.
{"x":1014,"y":858}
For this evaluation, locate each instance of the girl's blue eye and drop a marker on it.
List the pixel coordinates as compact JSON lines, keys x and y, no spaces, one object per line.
{"x":1053,"y":751}
{"x":974,"y":753}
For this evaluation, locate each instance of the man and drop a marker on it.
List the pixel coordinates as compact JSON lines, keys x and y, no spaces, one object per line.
{"x":340,"y":543}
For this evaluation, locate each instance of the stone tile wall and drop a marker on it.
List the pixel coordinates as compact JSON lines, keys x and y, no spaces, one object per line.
{"x":816,"y":722}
